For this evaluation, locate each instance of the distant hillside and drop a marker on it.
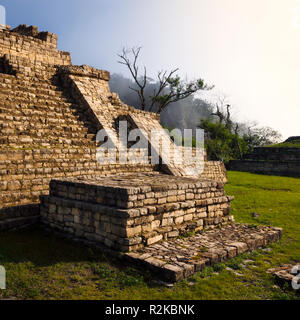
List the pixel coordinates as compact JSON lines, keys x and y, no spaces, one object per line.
{"x":292,"y":142}
{"x":183,"y":114}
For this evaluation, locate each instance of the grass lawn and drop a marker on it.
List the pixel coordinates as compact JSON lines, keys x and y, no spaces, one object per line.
{"x":40,"y":265}
{"x":292,"y":144}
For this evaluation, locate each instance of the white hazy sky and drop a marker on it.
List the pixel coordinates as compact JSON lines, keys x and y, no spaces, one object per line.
{"x":249,"y":49}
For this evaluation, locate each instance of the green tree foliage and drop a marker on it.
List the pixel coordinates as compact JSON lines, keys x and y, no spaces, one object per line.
{"x":220,"y":143}
{"x":226,"y":139}
{"x":258,"y":137}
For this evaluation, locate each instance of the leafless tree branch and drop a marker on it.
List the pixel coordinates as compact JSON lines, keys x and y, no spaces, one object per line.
{"x":170,"y":87}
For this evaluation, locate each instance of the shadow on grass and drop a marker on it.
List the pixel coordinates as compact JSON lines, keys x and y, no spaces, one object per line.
{"x":43,"y":248}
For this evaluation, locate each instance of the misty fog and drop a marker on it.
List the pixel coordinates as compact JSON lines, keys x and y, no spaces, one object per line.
{"x":183,"y":114}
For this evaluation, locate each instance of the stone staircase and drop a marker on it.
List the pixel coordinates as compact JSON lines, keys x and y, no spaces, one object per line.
{"x":44,"y":135}
{"x":40,"y":116}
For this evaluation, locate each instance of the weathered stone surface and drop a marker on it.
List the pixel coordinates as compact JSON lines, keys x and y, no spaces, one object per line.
{"x":76,"y":201}
{"x":287,"y":273}
{"x":50,"y":114}
{"x":243,"y":247}
{"x":181,"y":257}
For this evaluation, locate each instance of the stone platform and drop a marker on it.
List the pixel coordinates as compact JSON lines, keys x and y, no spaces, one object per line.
{"x":179,"y":258}
{"x":172,"y":225}
{"x":129,"y":211}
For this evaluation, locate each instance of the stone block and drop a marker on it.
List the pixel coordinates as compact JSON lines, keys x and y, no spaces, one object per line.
{"x":154,"y":239}
{"x":173,"y":273}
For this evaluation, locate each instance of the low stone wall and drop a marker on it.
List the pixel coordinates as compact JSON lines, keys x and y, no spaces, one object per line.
{"x":278,"y":168}
{"x":26,"y":174}
{"x":271,"y":154}
{"x":271,"y":161}
{"x":128,"y":212}
{"x":19,"y":216}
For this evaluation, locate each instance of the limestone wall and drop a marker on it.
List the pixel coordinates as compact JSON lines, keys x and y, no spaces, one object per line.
{"x":278,"y":168}
{"x":271,"y":161}
{"x":127,"y":212}
{"x":278,"y":154}
{"x":28,"y":43}
{"x":214,"y":170}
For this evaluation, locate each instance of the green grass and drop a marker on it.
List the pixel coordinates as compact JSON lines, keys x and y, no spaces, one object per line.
{"x":294,"y":144}
{"x":40,"y":265}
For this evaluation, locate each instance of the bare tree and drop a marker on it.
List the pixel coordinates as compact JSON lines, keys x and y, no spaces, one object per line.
{"x":170,"y":88}
{"x":218,"y":113}
{"x":134,"y":70}
{"x":228,"y":121}
{"x":223,"y":111}
{"x":236,"y":128}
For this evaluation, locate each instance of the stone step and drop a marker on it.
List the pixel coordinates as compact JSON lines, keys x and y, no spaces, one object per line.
{"x":60,"y":113}
{"x":153,"y":189}
{"x":54,"y":168}
{"x":33,"y":88}
{"x":27,"y":100}
{"x":69,"y":128}
{"x":19,"y":142}
{"x":20,"y":110}
{"x":180,"y":258}
{"x":30,"y":136}
{"x":126,"y":229}
{"x":15,"y":223}
{"x":29,"y":95}
{"x":38,"y":93}
{"x":19,"y":185}
{"x":57,"y":168}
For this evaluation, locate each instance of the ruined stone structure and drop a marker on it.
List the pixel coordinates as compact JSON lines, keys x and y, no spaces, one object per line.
{"x":50,"y":113}
{"x":279,"y":161}
{"x":130,"y":211}
{"x":49,"y":116}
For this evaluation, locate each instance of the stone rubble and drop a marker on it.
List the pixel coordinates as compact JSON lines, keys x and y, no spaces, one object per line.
{"x":285,"y":272}
{"x":179,"y":258}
